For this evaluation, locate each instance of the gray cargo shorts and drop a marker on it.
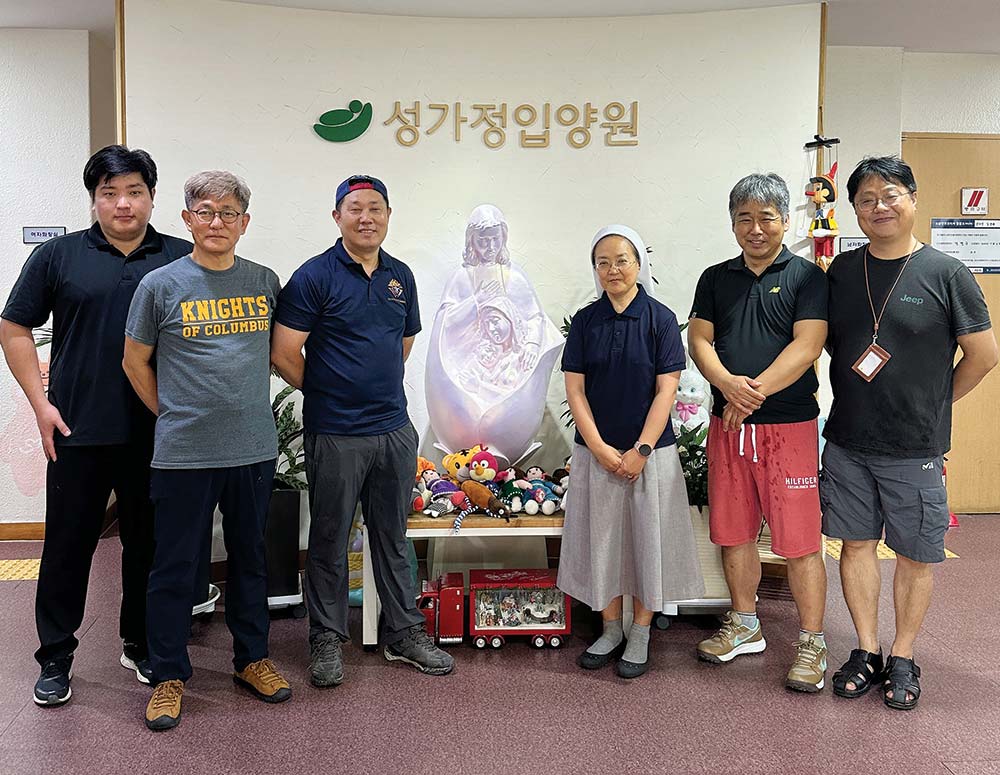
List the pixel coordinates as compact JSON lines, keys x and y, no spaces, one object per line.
{"x":863,"y":494}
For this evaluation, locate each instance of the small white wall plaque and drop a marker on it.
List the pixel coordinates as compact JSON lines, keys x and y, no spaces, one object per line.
{"x":33,"y":235}
{"x":975,"y":201}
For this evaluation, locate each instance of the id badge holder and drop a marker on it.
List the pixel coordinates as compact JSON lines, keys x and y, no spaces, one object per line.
{"x":871,"y":362}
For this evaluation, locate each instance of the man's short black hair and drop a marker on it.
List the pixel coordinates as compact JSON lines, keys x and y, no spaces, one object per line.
{"x":113,"y":160}
{"x":891,"y":169}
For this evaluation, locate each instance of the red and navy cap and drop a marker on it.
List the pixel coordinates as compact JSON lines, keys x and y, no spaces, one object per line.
{"x":356,"y":182}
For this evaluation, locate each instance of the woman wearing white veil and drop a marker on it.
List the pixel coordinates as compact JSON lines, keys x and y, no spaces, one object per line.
{"x":628,"y":528}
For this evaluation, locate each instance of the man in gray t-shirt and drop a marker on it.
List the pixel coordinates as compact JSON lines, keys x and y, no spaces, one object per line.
{"x":211,"y":331}
{"x":197,"y":353}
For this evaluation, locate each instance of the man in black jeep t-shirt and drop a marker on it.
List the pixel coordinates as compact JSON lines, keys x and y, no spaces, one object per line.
{"x":898,"y":312}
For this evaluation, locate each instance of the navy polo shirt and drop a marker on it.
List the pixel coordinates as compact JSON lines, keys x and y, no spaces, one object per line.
{"x":353,"y":383}
{"x":753,"y":319}
{"x":620,"y":356}
{"x":86,"y":284}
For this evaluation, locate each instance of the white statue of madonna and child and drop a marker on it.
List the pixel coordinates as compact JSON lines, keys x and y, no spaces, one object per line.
{"x":492,"y":349}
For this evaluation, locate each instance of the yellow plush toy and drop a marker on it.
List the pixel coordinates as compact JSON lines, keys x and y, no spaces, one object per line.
{"x":456,"y":465}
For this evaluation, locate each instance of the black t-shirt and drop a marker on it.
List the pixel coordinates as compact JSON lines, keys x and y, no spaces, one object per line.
{"x":905,"y":411}
{"x":754,"y":318}
{"x":86,"y":284}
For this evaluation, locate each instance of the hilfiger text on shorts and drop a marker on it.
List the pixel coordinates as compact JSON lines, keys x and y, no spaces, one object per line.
{"x":801,"y":482}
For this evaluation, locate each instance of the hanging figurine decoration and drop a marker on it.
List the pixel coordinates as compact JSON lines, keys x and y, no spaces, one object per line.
{"x":822,"y":190}
{"x":823,"y":227}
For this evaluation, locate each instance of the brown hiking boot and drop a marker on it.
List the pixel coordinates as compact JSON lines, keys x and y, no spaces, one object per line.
{"x":733,"y":639}
{"x":808,"y":671}
{"x":264,"y":680}
{"x":164,"y":708}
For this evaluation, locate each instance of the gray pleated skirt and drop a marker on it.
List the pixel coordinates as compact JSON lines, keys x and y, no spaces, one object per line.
{"x":624,"y":538}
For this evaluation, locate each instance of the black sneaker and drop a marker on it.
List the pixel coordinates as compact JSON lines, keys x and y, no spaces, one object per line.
{"x":52,"y":686}
{"x":134,"y":658}
{"x":326,"y":662}
{"x":416,"y":648}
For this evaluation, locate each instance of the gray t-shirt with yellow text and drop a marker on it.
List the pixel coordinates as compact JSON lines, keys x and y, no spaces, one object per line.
{"x":212,"y":331}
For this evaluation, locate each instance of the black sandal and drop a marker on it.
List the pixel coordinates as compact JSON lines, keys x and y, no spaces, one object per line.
{"x":862,"y":669}
{"x":901,"y":678}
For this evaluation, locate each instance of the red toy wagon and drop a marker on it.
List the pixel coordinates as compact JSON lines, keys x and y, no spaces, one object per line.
{"x":501,"y":603}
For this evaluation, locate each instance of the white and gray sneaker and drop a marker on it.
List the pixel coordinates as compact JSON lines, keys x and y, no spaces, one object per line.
{"x":417,"y":648}
{"x":133,"y":659}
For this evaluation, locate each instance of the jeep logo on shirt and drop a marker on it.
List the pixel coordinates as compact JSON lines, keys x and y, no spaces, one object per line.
{"x":911,"y":299}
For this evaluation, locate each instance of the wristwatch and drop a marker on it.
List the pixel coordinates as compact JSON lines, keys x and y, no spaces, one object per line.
{"x":643,"y":449}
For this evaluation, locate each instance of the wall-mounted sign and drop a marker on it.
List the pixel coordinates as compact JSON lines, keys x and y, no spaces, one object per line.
{"x":851,"y":243}
{"x":975,"y":201}
{"x":34,"y":235}
{"x":532,"y":124}
{"x":974,"y":242}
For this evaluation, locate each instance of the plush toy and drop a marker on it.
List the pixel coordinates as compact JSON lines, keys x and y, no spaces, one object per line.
{"x":441,"y":492}
{"x":689,"y":410}
{"x":483,"y":467}
{"x":543,"y":494}
{"x":456,"y":465}
{"x":823,"y":228}
{"x":423,"y":464}
{"x":422,"y":490}
{"x":479,"y":497}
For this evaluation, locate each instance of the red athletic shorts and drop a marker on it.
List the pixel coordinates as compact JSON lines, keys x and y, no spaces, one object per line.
{"x":769,"y":471}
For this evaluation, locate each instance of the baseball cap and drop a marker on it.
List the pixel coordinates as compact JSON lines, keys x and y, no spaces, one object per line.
{"x":356,"y":182}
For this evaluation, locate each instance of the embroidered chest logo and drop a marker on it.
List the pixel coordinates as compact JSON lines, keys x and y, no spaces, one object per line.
{"x":396,"y":289}
{"x":911,"y":299}
{"x":775,"y":289}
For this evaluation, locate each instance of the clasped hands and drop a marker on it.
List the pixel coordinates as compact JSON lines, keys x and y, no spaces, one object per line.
{"x":627,"y":465}
{"x":743,"y":398}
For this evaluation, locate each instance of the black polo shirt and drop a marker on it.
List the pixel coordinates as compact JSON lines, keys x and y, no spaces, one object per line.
{"x":620,"y":356}
{"x":753,"y":319}
{"x":86,"y":284}
{"x":353,"y":383}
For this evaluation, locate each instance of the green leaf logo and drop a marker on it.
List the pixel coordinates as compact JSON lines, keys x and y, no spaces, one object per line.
{"x":340,"y":126}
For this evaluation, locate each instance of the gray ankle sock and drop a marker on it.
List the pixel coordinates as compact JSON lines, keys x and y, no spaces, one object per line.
{"x":748,"y":619}
{"x":637,"y":650}
{"x":817,"y":636}
{"x":610,"y":638}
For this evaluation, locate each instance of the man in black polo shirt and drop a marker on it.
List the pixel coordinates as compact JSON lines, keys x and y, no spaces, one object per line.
{"x":757,"y":325}
{"x":96,"y":433}
{"x":899,"y":311}
{"x":354,"y":309}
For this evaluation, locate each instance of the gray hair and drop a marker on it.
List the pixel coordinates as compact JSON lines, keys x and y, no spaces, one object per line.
{"x":216,"y":184}
{"x":767,"y":189}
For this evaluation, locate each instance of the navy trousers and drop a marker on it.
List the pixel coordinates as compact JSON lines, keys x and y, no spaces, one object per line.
{"x":185,"y":501}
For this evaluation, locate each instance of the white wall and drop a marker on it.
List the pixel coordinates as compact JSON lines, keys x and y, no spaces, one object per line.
{"x":951,"y":93}
{"x":45,"y":131}
{"x":720,"y":95}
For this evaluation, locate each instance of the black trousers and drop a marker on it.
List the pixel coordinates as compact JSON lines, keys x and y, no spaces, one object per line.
{"x":77,"y":488}
{"x":185,"y":501}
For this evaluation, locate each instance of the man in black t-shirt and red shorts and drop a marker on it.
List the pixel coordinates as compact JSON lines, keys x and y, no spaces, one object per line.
{"x":758,"y":323}
{"x":898,"y":312}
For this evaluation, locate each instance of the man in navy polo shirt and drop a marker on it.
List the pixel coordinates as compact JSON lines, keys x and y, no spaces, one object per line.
{"x":354,"y":309}
{"x":96,"y":434}
{"x":758,"y":323}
